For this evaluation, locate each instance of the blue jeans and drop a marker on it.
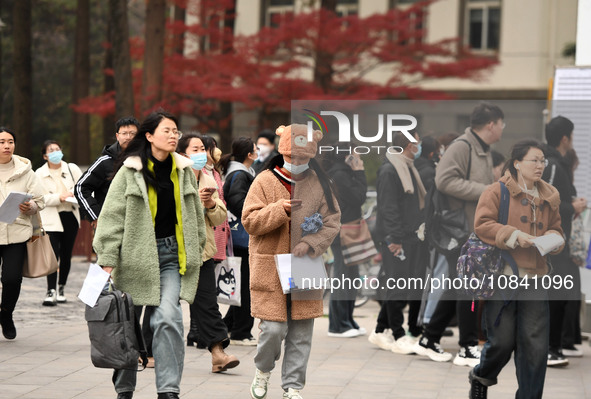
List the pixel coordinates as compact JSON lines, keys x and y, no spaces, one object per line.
{"x":523,"y":328}
{"x":168,"y":344}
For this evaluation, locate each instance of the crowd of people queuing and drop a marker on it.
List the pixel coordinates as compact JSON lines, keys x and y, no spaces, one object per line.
{"x":161,"y":202}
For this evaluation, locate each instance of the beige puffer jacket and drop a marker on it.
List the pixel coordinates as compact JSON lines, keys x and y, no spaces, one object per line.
{"x":23,"y":179}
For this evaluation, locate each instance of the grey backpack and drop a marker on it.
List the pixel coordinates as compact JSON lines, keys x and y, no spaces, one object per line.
{"x":116,"y":340}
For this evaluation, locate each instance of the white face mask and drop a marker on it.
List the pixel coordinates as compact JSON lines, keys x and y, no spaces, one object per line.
{"x":295,"y":169}
{"x":264,"y":150}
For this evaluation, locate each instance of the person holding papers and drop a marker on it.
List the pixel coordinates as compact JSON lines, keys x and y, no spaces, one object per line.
{"x":290,"y":208}
{"x":61,"y":218}
{"x":516,"y":318}
{"x":16,"y":175}
{"x":150,"y":236}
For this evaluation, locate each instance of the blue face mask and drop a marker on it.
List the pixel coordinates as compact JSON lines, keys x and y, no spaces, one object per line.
{"x":418,"y":153}
{"x":199,"y":160}
{"x":55,"y":157}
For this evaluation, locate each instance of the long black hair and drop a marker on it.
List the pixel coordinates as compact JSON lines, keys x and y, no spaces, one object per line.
{"x":140,"y":146}
{"x":519,"y":151}
{"x":241,"y":147}
{"x":328,"y":187}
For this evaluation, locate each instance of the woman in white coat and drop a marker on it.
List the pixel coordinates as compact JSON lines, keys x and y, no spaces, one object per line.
{"x":16,"y":175}
{"x":61,"y":218}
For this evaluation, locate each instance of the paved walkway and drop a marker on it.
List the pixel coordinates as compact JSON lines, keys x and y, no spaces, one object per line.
{"x":50,"y":359}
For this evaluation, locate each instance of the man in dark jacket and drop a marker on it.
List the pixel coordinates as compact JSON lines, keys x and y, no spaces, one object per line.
{"x":427,"y":160}
{"x":401,"y":197}
{"x":92,"y":188}
{"x":565,"y":330}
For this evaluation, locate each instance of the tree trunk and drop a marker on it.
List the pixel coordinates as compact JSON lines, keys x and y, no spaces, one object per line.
{"x":323,"y":70}
{"x":226,"y":106}
{"x":109,"y":85}
{"x":80,"y":129}
{"x":178,"y":41}
{"x":22,"y":72}
{"x":119,"y":36}
{"x":153,"y":53}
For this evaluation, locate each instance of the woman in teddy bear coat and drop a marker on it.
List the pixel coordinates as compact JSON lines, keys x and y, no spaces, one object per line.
{"x":293,"y":188}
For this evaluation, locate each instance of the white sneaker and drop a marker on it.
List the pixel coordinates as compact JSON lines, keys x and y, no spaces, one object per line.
{"x":383,"y":340}
{"x":244,"y":342}
{"x":468,"y":356}
{"x":50,"y":298}
{"x":258,"y":388}
{"x":61,"y":297}
{"x":362,"y":331}
{"x":572,"y":352}
{"x":292,"y":394}
{"x":352,"y":333}
{"x":403,"y":345}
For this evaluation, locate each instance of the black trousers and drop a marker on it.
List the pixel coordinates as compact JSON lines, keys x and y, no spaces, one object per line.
{"x":205,"y":312}
{"x":12,"y":257}
{"x":342,"y":300}
{"x":565,"y":328}
{"x":391,"y":312}
{"x":451,"y":303}
{"x":63,"y":244}
{"x":238,"y":318}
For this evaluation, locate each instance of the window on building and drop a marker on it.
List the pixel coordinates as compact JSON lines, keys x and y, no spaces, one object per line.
{"x":346,"y":8}
{"x":418,"y":22}
{"x":483,"y":23}
{"x":276,"y":11}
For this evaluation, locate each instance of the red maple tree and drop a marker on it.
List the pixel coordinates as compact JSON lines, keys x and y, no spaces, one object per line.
{"x":315,"y":55}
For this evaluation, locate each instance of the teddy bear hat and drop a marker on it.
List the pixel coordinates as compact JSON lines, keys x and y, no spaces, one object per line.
{"x":294,"y":141}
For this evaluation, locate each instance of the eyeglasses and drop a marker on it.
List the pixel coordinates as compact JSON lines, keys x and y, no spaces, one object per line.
{"x":542,"y":162}
{"x":127,"y":134}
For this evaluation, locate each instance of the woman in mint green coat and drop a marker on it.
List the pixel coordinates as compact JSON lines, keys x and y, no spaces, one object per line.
{"x":150,"y":236}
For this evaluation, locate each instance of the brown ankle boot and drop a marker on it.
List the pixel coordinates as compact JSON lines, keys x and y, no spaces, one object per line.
{"x":220,"y":361}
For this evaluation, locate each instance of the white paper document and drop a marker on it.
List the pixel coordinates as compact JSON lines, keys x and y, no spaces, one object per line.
{"x":9,"y":210}
{"x":548,"y":243}
{"x":72,"y":200}
{"x":300,"y":273}
{"x":93,"y":284}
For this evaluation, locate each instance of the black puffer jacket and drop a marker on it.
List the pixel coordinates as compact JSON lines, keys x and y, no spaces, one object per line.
{"x":399,"y":216}
{"x":351,"y":190}
{"x":556,"y":173}
{"x":426,"y":168}
{"x":235,"y":189}
{"x":96,"y":180}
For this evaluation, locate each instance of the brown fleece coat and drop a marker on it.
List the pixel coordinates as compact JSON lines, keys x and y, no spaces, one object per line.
{"x":268,"y":224}
{"x":489,"y":230}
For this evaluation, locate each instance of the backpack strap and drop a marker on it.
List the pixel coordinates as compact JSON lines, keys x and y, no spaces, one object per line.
{"x":469,"y":157}
{"x":503,"y":217}
{"x":505,"y":255}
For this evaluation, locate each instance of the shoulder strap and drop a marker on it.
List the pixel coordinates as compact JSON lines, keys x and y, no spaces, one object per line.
{"x":469,"y":158}
{"x":503,"y":217}
{"x":504,"y":204}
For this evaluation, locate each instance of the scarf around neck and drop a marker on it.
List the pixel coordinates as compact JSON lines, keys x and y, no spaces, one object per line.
{"x":404,"y":166}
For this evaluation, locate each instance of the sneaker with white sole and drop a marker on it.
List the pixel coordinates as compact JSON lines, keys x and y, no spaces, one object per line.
{"x":352,"y":333}
{"x":362,"y":331}
{"x":468,"y":356}
{"x":432,"y":350}
{"x":61,"y":297}
{"x":50,"y":298}
{"x":383,"y":340}
{"x":260,"y":384}
{"x":244,"y":342}
{"x":404,"y":345}
{"x":556,"y":358}
{"x":292,"y":394}
{"x":572,"y":351}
